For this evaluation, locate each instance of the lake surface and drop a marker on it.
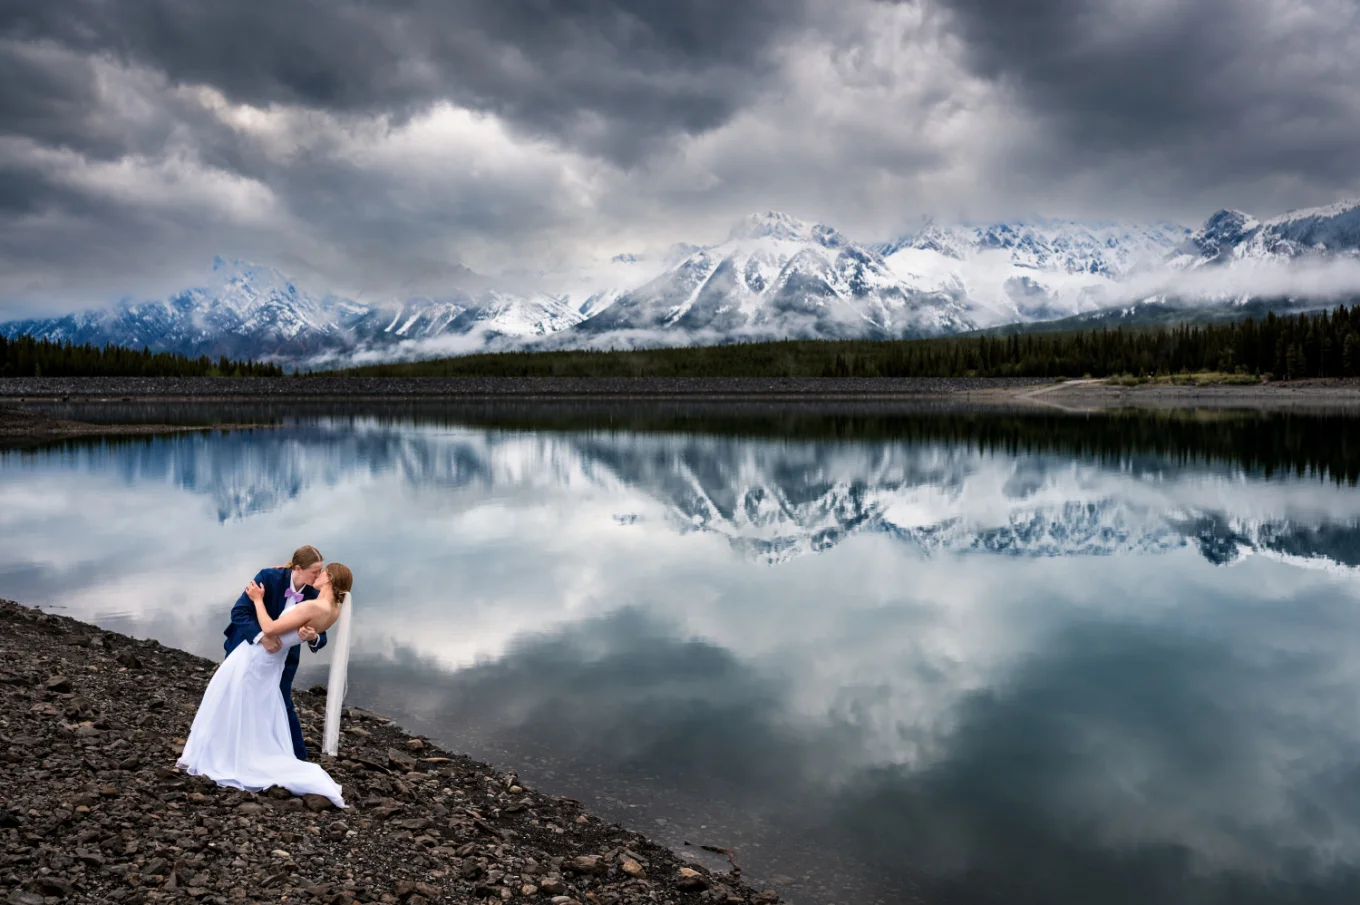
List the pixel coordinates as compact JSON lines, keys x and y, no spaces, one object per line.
{"x":887,"y":657}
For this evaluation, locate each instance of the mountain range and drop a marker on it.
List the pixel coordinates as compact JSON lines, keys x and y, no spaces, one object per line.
{"x":774,"y":276}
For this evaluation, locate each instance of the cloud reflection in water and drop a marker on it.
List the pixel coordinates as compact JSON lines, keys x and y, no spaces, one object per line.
{"x":912,"y":666}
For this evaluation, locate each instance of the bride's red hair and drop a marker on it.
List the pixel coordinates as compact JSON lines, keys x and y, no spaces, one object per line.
{"x":342,"y":580}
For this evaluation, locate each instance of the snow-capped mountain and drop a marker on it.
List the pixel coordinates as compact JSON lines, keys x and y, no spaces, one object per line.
{"x":778,"y":276}
{"x":774,"y":276}
{"x":590,"y":287}
{"x":1028,"y":271}
{"x":1230,"y":236}
{"x":489,"y":313}
{"x":1059,"y":246}
{"x":241,"y":310}
{"x":247,"y":311}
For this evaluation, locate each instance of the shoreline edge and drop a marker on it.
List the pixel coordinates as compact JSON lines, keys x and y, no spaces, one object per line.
{"x":92,"y":808}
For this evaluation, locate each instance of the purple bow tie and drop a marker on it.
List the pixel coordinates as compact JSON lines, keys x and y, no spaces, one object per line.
{"x":291,"y":596}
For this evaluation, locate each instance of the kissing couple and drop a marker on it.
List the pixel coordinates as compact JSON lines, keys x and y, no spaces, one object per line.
{"x":246,"y":733}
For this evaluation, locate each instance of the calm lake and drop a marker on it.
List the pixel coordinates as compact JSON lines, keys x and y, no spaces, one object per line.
{"x":886,"y":656}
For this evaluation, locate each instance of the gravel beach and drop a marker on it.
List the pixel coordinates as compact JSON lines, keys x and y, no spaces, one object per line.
{"x":92,"y":808}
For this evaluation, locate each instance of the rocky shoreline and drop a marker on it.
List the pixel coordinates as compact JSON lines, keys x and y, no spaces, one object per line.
{"x":92,"y":808}
{"x":1325,"y":394}
{"x":353,"y":388}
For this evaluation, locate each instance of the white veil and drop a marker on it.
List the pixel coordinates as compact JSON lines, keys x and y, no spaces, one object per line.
{"x":335,"y":685}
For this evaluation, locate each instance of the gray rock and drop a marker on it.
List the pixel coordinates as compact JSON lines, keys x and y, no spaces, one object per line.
{"x":23,"y":897}
{"x":52,"y":885}
{"x":589,"y":864}
{"x":317,"y":803}
{"x":399,"y":760}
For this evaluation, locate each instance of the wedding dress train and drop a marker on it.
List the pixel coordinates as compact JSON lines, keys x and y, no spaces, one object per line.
{"x":240,"y":736}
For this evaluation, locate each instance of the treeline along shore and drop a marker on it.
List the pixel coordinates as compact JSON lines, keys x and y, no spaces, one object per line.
{"x":92,"y":808}
{"x":1289,"y":347}
{"x":25,"y":356}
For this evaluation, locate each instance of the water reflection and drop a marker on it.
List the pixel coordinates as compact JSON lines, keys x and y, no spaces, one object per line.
{"x":1031,"y":664}
{"x":771,"y":500}
{"x":1114,"y":762}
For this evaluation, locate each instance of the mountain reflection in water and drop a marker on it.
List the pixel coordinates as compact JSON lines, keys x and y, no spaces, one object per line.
{"x":953,"y":658}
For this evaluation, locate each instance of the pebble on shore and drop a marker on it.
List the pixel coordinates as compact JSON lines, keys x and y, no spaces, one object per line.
{"x":92,"y":808}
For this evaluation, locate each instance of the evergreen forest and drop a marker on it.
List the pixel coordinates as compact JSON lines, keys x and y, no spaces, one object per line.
{"x":24,"y":356}
{"x":1323,"y":344}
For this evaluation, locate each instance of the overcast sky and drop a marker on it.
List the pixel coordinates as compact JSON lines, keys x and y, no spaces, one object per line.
{"x":379,"y":147}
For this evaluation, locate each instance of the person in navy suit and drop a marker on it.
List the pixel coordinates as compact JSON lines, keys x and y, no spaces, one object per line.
{"x":290,"y":583}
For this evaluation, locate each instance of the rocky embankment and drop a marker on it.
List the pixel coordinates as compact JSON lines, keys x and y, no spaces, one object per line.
{"x":92,"y":808}
{"x":994,"y":392}
{"x":351,"y":388}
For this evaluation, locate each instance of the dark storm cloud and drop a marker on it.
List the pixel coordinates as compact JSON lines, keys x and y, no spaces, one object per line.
{"x":1222,"y":88}
{"x":610,"y":75}
{"x":345,"y":147}
{"x":45,"y":96}
{"x":53,"y":96}
{"x":20,"y":193}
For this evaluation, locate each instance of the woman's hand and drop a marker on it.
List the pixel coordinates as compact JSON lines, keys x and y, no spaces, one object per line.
{"x":255,"y":592}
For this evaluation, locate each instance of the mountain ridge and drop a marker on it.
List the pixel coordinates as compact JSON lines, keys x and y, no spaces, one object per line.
{"x":774,"y":277}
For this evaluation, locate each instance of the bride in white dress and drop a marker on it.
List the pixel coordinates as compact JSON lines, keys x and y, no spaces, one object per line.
{"x":240,"y":736}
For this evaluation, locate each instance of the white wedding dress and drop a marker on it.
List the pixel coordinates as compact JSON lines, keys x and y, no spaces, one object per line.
{"x":240,"y":736}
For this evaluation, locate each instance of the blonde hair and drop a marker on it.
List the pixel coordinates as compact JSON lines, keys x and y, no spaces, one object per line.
{"x":304,"y":557}
{"x":342,"y":580}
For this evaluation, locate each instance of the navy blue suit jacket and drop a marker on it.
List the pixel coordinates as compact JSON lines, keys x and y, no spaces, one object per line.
{"x":245,"y":627}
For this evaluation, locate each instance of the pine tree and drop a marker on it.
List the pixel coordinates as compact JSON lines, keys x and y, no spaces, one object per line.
{"x":1293,"y":361}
